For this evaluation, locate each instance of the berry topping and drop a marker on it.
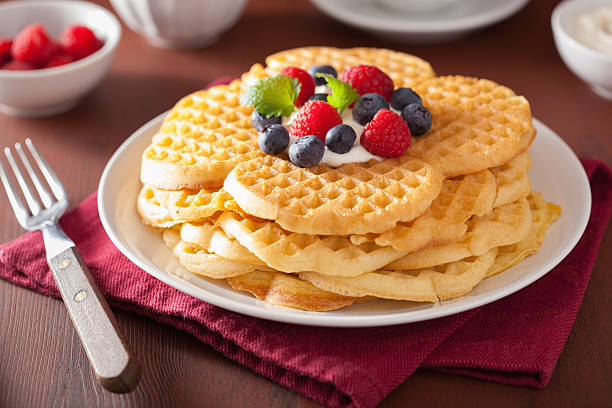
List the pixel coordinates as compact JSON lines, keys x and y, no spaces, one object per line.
{"x":368,"y":79}
{"x":402,"y":97}
{"x":319,"y":97}
{"x":367,"y":106}
{"x":418,"y":118}
{"x":15,"y":65}
{"x":79,"y":41}
{"x":323,"y":69}
{"x":274,"y":139}
{"x":5,"y":50}
{"x":260,"y":122}
{"x":307,"y":151}
{"x":307,"y":83}
{"x":387,"y":135}
{"x":315,"y":118}
{"x":59,"y":59}
{"x":32,"y":45}
{"x":340,"y":139}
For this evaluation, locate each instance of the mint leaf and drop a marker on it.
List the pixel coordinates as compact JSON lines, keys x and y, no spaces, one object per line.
{"x":342,"y":95}
{"x":273,"y":96}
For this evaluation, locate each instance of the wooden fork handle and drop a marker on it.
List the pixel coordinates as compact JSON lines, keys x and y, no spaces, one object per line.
{"x":114,"y":365}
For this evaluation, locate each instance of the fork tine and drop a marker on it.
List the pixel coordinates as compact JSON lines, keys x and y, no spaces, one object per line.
{"x":44,"y":194}
{"x":25,"y":188}
{"x":54,"y":182}
{"x":20,"y":210}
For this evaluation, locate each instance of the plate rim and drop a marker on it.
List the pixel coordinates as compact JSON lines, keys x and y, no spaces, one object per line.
{"x":322,"y":319}
{"x":421,"y":25}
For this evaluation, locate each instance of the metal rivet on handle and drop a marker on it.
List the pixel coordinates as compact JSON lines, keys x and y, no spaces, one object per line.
{"x":80,"y":295}
{"x":64,"y":264}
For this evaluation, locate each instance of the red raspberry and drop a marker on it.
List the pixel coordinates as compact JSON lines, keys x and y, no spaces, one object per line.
{"x":5,"y":50}
{"x":308,"y":85}
{"x":79,"y":41}
{"x":368,"y":79}
{"x":59,"y":59}
{"x":15,"y":65}
{"x":315,"y":118}
{"x":386,"y":135}
{"x":33,"y":46}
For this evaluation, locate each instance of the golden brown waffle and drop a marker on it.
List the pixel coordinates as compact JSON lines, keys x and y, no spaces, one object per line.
{"x":295,"y":252}
{"x":287,"y":290}
{"x":213,"y":239}
{"x":201,"y":262}
{"x":504,"y":225}
{"x":352,"y":199}
{"x":189,"y":205}
{"x":444,"y":221}
{"x":404,"y":69}
{"x":151,"y":211}
{"x":512,"y":180}
{"x":203,"y":137}
{"x":477,"y":124}
{"x":423,"y":285}
{"x":543,"y":214}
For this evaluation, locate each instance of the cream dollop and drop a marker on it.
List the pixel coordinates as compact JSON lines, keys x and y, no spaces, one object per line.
{"x":358,"y":154}
{"x":593,"y":28}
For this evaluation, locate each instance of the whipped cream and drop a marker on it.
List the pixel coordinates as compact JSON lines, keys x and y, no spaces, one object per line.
{"x":358,"y":154}
{"x":593,"y":28}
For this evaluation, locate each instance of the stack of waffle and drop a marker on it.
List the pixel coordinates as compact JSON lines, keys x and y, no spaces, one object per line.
{"x":428,"y":226}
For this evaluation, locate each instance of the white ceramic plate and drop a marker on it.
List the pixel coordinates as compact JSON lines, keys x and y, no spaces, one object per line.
{"x":453,"y":21}
{"x":556,"y":172}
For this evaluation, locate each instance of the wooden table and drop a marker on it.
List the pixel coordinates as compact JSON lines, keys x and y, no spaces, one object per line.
{"x":42,"y":362}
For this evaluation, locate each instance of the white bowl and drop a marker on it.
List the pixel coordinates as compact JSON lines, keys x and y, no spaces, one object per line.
{"x":446,"y":23}
{"x":415,"y":6}
{"x":590,"y":65}
{"x":50,"y":91}
{"x":180,"y":24}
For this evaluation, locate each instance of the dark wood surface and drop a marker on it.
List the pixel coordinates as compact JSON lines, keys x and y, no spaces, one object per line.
{"x":42,"y":363}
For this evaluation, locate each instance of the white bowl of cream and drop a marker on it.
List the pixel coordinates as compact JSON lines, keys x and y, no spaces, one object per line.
{"x":582,"y":30}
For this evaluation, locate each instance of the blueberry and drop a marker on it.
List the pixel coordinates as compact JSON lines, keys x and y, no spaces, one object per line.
{"x":274,"y":139}
{"x":340,"y":138}
{"x":260,"y":122}
{"x":307,"y":151}
{"x":324,"y":69}
{"x":319,"y":97}
{"x":366,"y":107}
{"x":403,"y":97}
{"x":418,"y":119}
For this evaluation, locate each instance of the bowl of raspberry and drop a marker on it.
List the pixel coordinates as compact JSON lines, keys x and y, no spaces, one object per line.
{"x":52,"y":53}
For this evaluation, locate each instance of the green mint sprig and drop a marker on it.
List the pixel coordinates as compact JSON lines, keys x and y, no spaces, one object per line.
{"x":273,"y":96}
{"x":342,"y":95}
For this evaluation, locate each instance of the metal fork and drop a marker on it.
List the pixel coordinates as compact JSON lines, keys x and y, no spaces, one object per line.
{"x":115,"y":366}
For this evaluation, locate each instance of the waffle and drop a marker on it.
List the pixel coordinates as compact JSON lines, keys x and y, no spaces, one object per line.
{"x":477,"y":124}
{"x":512,"y":180}
{"x":209,"y":237}
{"x":201,"y":262}
{"x":189,"y":205}
{"x":404,"y":69}
{"x":295,"y":252}
{"x":203,"y":137}
{"x":354,"y":198}
{"x":151,"y":210}
{"x":287,"y":290}
{"x":543,"y":214}
{"x":423,"y":285}
{"x":444,"y":221}
{"x":505,"y":225}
